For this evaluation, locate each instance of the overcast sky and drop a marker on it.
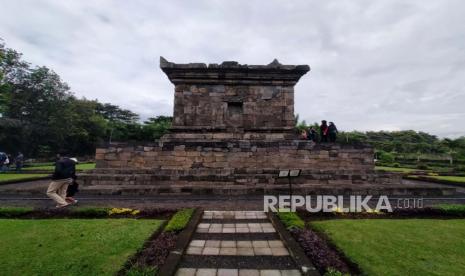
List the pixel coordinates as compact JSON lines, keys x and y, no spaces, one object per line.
{"x":391,"y":65}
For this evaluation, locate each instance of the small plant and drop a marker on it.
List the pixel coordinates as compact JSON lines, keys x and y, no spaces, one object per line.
{"x":142,"y":271}
{"x":291,"y":220}
{"x":9,"y":212}
{"x":334,"y":272}
{"x":396,"y":165}
{"x":180,"y":220}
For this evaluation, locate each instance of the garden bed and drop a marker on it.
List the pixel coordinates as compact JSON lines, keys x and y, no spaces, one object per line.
{"x":150,"y":256}
{"x":336,"y":243}
{"x":399,"y":246}
{"x":444,"y":211}
{"x":156,"y":254}
{"x":84,"y":212}
{"x":325,"y":257}
{"x":70,"y":246}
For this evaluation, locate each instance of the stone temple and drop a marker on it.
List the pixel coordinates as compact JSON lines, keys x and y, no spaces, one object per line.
{"x":233,"y":130}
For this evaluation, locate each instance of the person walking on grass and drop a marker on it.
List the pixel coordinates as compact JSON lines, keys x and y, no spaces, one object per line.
{"x":332,"y":129}
{"x":64,"y":175}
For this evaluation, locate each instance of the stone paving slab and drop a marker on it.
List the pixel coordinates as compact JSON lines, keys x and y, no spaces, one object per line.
{"x":234,"y":215}
{"x":236,"y":236}
{"x":235,"y":228}
{"x":240,"y":248}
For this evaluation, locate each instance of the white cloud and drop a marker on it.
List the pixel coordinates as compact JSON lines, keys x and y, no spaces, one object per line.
{"x":375,"y":64}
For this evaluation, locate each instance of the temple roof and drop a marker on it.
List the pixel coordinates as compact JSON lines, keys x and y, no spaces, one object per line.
{"x":231,"y":72}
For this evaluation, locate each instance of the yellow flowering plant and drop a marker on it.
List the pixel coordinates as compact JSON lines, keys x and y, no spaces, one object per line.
{"x":122,"y":211}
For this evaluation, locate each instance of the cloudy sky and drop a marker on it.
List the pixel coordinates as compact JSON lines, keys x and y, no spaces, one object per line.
{"x":375,"y":65}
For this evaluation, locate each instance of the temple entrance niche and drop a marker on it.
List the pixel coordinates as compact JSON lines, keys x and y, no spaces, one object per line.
{"x":234,"y":115}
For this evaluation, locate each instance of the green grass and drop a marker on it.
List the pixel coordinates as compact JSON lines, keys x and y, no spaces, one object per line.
{"x":179,"y":220}
{"x":291,"y":220}
{"x":15,"y":176}
{"x":70,"y":246}
{"x":458,"y":179}
{"x":85,"y":166}
{"x":400,"y":247}
{"x":393,"y":169}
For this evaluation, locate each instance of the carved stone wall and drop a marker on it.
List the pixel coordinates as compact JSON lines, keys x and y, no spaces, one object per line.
{"x":233,"y":98}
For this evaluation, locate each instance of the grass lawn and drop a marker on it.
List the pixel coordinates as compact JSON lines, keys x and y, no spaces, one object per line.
{"x":70,"y":246}
{"x":400,"y":247}
{"x":13,"y":176}
{"x":392,"y":169}
{"x":85,"y":166}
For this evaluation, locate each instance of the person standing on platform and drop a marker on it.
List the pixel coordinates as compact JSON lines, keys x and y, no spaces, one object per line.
{"x":324,"y":131}
{"x":332,"y":132}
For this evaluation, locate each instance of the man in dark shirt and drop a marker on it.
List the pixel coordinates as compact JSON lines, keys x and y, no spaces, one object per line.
{"x":65,"y":173}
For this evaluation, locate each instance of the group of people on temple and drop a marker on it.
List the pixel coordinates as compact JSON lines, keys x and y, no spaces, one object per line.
{"x":327,"y":133}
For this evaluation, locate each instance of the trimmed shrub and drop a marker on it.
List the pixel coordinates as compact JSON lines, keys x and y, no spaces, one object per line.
{"x":422,"y":167}
{"x":453,"y":209}
{"x":8,"y":212}
{"x":180,"y":220}
{"x":98,"y":212}
{"x":291,"y":220}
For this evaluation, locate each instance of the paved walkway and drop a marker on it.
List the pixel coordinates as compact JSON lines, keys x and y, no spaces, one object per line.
{"x":236,"y":243}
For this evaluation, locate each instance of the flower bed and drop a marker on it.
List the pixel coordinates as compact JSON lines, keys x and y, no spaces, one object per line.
{"x":323,"y":256}
{"x":156,"y":250}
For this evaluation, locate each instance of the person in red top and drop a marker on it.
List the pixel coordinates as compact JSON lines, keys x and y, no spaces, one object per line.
{"x":324,"y":131}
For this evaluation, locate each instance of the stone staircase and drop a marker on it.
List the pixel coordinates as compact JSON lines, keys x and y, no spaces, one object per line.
{"x":239,"y":243}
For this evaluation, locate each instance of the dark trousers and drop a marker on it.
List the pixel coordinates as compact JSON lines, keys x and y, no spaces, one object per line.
{"x":332,"y":137}
{"x":324,"y":138}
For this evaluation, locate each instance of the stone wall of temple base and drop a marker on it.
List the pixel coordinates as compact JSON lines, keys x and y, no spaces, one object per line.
{"x":233,"y":167}
{"x":236,"y":154}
